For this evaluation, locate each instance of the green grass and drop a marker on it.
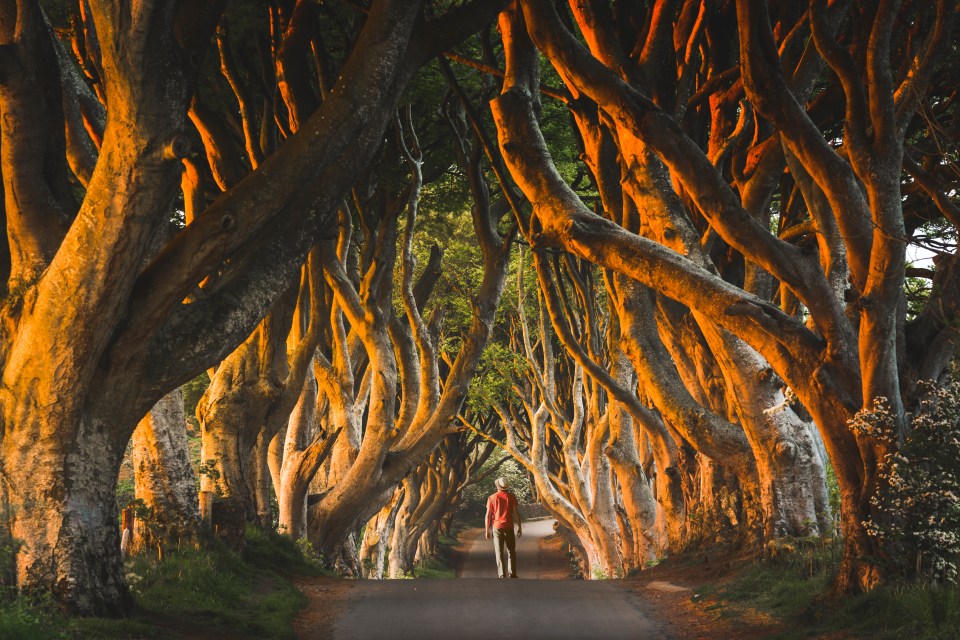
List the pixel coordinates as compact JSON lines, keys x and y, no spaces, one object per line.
{"x":775,"y":590}
{"x":24,"y":620}
{"x":434,"y":568}
{"x":792,"y":589}
{"x":893,"y":612}
{"x":442,"y":565}
{"x":245,"y":595}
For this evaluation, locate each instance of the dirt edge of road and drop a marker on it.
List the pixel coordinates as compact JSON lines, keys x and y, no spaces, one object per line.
{"x":672,"y":592}
{"x":327,"y":600}
{"x":458,"y":553}
{"x":554,"y":559}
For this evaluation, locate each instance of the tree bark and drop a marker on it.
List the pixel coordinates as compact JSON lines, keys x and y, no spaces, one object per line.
{"x":163,"y":477}
{"x":62,"y":506}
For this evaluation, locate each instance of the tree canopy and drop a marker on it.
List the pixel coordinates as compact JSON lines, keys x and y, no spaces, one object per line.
{"x":665,"y":254}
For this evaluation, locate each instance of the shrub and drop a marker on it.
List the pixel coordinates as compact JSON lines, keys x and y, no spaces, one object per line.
{"x":27,"y":620}
{"x":918,"y":506}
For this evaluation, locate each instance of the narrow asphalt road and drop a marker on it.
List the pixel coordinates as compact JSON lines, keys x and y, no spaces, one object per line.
{"x":476,"y":607}
{"x":481,"y":562}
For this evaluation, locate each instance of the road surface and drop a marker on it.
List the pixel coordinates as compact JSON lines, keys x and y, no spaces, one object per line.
{"x":478,"y":607}
{"x":481,"y":562}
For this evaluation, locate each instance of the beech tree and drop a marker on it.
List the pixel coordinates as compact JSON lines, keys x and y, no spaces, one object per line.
{"x":99,"y":324}
{"x":191,"y":188}
{"x":832,"y":331}
{"x":164,"y":481}
{"x":426,"y":492}
{"x":411,"y":403}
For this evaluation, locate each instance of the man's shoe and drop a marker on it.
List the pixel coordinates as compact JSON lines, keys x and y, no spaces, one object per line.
{"x":513,"y":576}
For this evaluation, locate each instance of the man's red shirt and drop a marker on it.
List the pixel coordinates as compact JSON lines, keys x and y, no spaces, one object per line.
{"x":500,"y":508}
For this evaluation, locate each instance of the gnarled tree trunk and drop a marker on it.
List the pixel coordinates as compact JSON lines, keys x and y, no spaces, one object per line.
{"x":163,"y":477}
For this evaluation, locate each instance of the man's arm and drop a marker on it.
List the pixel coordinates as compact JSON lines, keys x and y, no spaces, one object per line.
{"x":516,"y":517}
{"x":486,"y":519}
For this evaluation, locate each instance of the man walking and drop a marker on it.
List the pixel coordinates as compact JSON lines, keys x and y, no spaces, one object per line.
{"x":502,"y":512}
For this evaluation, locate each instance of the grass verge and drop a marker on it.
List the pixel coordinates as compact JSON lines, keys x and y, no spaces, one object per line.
{"x":791,"y":588}
{"x":444,"y":564}
{"x":192,"y":594}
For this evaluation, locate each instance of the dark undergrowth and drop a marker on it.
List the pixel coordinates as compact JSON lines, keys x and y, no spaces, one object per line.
{"x":445,"y":563}
{"x":192,"y":594}
{"x":792,"y":585}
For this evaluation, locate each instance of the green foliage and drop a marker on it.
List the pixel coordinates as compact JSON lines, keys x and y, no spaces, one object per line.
{"x":599,"y":573}
{"x":434,"y":568}
{"x":917,"y":292}
{"x":791,"y":582}
{"x":280,"y":554}
{"x":9,"y":547}
{"x":441,"y":566}
{"x":208,"y":468}
{"x":918,"y":505}
{"x":445,"y":221}
{"x":309,"y":554}
{"x":899,"y":612}
{"x":209,"y":590}
{"x":25,"y":618}
{"x":192,"y":392}
{"x":473,"y":501}
{"x":22,"y":619}
{"x":559,"y":135}
{"x":242,"y":596}
{"x":498,"y":367}
{"x":833,"y":492}
{"x":125,"y":490}
{"x":126,"y":486}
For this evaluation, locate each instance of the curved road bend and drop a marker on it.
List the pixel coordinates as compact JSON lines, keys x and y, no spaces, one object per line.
{"x":476,"y":607}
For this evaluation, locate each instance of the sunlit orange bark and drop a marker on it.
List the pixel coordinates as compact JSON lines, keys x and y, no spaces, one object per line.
{"x":92,"y":343}
{"x":57,"y":407}
{"x":833,"y":365}
{"x":398,"y":431}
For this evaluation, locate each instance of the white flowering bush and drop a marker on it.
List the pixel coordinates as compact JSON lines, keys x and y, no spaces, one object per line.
{"x":917,"y":517}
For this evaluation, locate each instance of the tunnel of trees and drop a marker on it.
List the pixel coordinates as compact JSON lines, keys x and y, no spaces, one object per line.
{"x":690,"y":264}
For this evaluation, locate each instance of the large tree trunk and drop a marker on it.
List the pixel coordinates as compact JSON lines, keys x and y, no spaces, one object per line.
{"x":634,"y":487}
{"x":305,"y":449}
{"x":60,"y":457}
{"x":292,"y":493}
{"x":434,"y":493}
{"x":602,"y":512}
{"x":233,"y":415}
{"x":63,"y":512}
{"x":401,"y":550}
{"x":227,"y":440}
{"x":376,"y":538}
{"x":793,"y":483}
{"x":428,"y":545}
{"x":163,"y":477}
{"x":259,"y":481}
